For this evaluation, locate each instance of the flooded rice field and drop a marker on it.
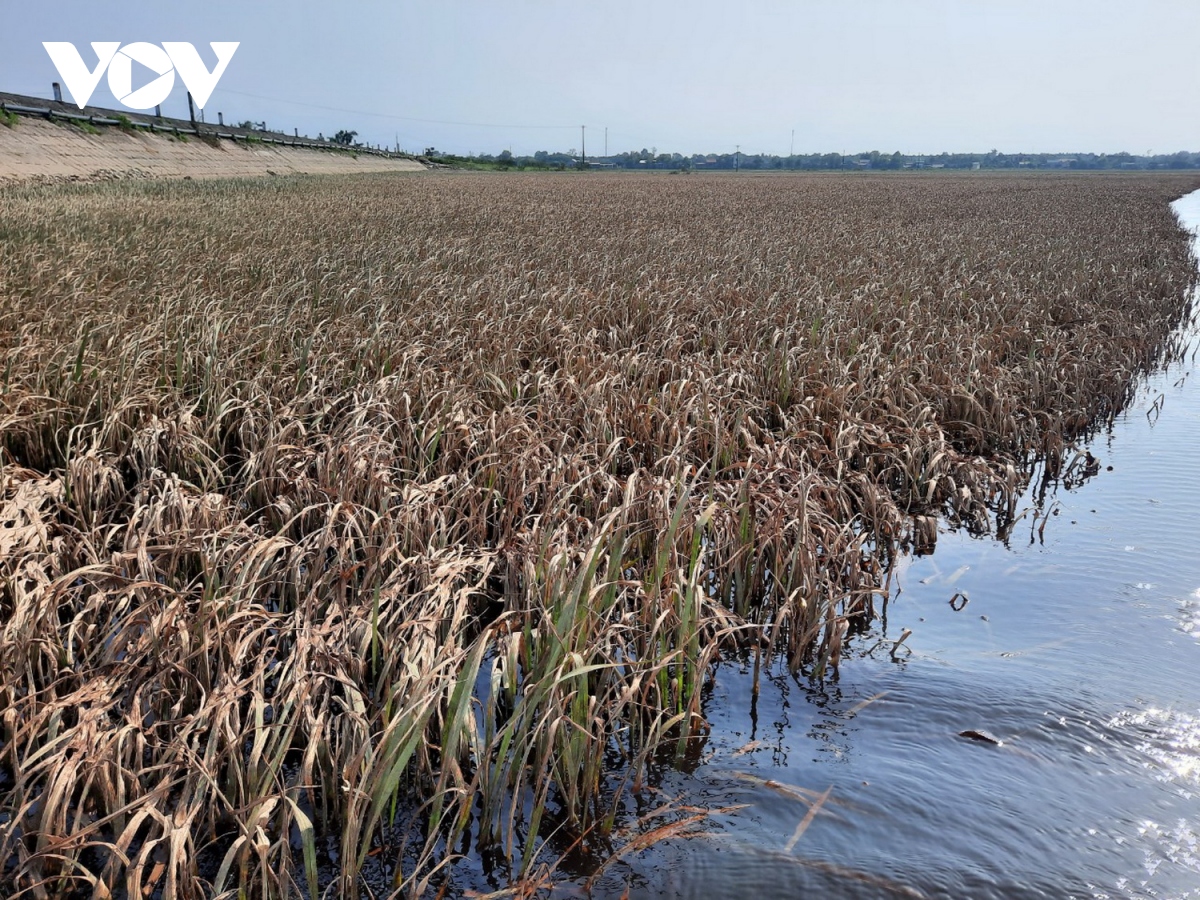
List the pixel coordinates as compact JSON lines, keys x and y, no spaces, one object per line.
{"x":447,"y":536}
{"x":1069,"y":654}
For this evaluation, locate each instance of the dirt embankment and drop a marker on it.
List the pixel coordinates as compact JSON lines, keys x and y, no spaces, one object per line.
{"x":32,"y":149}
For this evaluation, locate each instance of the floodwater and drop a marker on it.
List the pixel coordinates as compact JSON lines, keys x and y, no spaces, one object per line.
{"x":1078,"y":648}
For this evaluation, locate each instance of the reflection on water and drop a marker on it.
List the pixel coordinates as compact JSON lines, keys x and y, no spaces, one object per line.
{"x":1173,"y":844}
{"x":1077,"y":645}
{"x":1172,"y":748}
{"x":1189,"y":615}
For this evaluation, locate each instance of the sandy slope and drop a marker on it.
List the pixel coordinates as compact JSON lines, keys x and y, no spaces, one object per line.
{"x":36,"y":149}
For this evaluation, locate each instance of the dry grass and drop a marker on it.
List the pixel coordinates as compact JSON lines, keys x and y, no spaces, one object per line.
{"x":336,"y":507}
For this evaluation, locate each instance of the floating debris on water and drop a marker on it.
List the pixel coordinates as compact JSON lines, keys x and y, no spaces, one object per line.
{"x":985,"y":737}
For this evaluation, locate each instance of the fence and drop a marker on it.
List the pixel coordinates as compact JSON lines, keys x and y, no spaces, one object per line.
{"x":178,"y":127}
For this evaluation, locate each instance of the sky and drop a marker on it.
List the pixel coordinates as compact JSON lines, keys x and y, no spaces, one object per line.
{"x":468,"y":76}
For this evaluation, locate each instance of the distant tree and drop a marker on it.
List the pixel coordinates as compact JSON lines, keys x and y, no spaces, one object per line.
{"x":344,"y":137}
{"x":248,"y":125}
{"x":505,"y":158}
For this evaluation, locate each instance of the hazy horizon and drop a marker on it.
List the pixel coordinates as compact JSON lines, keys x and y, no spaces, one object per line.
{"x":919,"y":77}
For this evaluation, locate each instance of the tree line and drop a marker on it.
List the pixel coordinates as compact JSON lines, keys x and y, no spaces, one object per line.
{"x":874,"y":160}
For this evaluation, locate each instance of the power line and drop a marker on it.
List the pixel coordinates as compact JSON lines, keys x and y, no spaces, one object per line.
{"x":363,"y":112}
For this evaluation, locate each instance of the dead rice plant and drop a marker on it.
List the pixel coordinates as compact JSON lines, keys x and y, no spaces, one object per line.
{"x":354,"y":525}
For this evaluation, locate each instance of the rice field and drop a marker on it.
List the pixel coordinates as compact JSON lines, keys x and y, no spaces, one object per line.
{"x":355,"y":526}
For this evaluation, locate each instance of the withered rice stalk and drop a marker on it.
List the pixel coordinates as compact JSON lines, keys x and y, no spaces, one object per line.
{"x":334,"y":511}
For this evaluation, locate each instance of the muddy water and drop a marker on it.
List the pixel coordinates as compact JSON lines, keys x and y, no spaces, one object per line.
{"x":1079,"y":649}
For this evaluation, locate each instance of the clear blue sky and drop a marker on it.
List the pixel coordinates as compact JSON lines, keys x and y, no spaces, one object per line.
{"x":919,"y":76}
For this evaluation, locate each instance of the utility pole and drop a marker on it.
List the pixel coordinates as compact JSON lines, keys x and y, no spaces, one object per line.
{"x":582,"y":146}
{"x":792,"y":145}
{"x":606,"y":142}
{"x":737,"y":159}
